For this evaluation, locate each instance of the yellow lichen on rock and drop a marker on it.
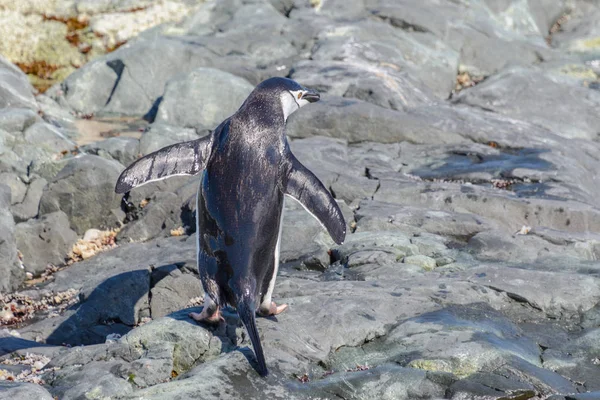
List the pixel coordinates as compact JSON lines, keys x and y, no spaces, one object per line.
{"x":586,"y":44}
{"x":459,"y":368}
{"x":49,"y":39}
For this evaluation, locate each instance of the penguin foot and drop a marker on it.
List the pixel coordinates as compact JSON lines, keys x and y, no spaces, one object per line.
{"x":205,"y":316}
{"x":273,"y":309}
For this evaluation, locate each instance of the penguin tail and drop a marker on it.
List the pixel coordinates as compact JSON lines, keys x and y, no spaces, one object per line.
{"x":247,"y":314}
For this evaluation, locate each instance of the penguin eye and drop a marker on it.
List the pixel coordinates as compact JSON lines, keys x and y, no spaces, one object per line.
{"x":299,"y":95}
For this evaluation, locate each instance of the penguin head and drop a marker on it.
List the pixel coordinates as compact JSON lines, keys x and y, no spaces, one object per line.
{"x":290,"y":94}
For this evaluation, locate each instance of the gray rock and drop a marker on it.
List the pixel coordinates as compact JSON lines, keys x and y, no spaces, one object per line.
{"x":434,"y":183}
{"x":167,"y":187}
{"x":125,"y":150}
{"x":160,"y":135}
{"x":113,"y":306}
{"x":190,"y":342}
{"x":505,"y":208}
{"x":516,"y":92}
{"x":302,"y":241}
{"x":202,"y":99}
{"x":489,"y":385}
{"x":487,"y":40}
{"x":423,"y":342}
{"x":384,"y":382}
{"x":17,"y":188}
{"x":554,"y":293}
{"x":28,"y":208}
{"x":56,"y":115}
{"x":158,"y":218}
{"x":21,"y":390}
{"x":173,"y":292}
{"x":17,"y":119}
{"x":84,"y":190}
{"x":377,"y":216}
{"x":113,"y":85}
{"x":374,"y":44}
{"x":75,"y":382}
{"x":87,"y":90}
{"x":15,"y":89}
{"x":358,"y":121}
{"x":383,"y":85}
{"x":425,"y":262}
{"x":45,"y":241}
{"x":485,"y":53}
{"x":579,"y":33}
{"x":49,"y":137}
{"x":12,"y":272}
{"x":119,"y":277}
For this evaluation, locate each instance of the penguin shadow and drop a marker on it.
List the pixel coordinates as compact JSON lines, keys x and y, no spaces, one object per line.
{"x":110,"y":308}
{"x":12,"y":344}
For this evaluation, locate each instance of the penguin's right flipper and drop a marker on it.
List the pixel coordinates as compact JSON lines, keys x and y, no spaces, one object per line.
{"x":305,"y":187}
{"x":187,"y":158}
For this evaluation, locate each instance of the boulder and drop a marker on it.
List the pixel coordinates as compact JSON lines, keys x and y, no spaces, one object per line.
{"x":84,"y":190}
{"x":528,"y":94}
{"x":22,"y":390}
{"x":15,"y":89}
{"x":45,"y":241}
{"x":12,"y":271}
{"x":200,"y":100}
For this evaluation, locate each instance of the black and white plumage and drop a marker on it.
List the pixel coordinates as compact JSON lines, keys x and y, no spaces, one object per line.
{"x":247,"y":169}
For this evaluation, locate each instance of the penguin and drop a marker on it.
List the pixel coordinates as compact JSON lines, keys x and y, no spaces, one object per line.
{"x":247,"y":168}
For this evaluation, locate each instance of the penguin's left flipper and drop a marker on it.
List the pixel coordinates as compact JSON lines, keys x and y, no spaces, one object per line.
{"x":187,"y":158}
{"x":306,"y":188}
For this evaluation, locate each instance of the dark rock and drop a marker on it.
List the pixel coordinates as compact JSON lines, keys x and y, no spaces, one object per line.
{"x":84,"y":190}
{"x":45,"y":241}
{"x":196,"y":100}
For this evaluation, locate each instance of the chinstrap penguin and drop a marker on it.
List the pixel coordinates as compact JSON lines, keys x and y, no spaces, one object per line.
{"x":247,"y":169}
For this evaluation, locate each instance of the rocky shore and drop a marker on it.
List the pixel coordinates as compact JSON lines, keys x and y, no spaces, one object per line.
{"x":460,"y":138}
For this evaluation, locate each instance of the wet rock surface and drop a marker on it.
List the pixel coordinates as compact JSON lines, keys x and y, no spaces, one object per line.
{"x":459,"y":139}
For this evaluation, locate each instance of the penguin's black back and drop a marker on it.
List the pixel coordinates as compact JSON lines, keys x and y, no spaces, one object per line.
{"x":240,"y":200}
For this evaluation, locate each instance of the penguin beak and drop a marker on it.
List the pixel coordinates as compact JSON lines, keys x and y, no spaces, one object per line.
{"x":311,"y":95}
